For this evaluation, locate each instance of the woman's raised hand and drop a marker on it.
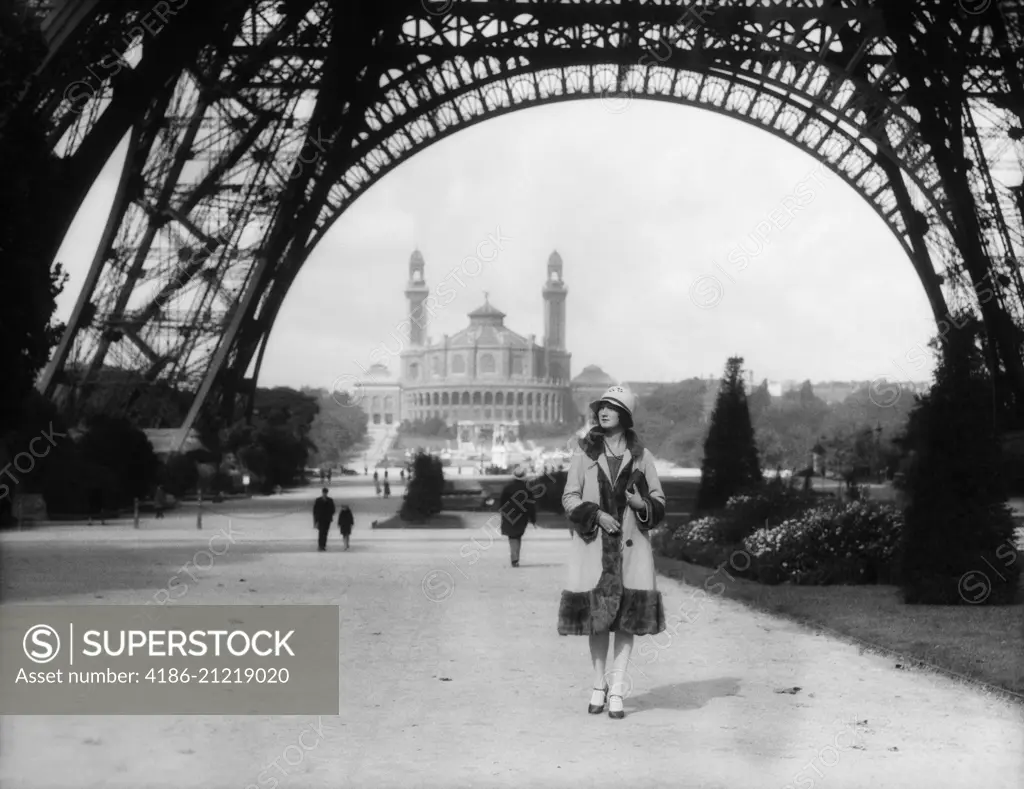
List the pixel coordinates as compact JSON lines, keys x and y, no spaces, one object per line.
{"x":608,"y":523}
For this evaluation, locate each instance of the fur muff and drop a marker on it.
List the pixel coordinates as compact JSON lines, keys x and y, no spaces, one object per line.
{"x":584,"y":521}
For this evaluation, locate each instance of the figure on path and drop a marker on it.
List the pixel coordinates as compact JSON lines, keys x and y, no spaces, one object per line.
{"x":96,"y":504}
{"x":376,"y":482}
{"x":345,"y":523}
{"x":613,"y":498}
{"x":323,"y":516}
{"x":518,"y":509}
{"x":387,"y":486}
{"x":159,"y":501}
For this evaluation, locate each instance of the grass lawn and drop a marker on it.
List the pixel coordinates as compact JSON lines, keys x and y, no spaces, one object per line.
{"x":984,"y":643}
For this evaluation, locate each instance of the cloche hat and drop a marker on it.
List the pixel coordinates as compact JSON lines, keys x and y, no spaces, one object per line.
{"x":618,"y":396}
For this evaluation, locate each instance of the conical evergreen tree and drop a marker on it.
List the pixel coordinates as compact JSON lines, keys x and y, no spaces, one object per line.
{"x":423,"y":497}
{"x":957,"y":545}
{"x":730,"y":464}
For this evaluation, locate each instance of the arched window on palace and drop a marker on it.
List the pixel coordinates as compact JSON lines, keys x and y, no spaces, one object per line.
{"x":414,"y":371}
{"x":487,"y":363}
{"x":435,"y":365}
{"x":458,"y":363}
{"x":517,"y":365}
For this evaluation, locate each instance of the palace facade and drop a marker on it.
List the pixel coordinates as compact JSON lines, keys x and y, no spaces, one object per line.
{"x":486,"y":378}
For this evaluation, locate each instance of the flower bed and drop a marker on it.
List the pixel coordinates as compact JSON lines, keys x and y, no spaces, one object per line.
{"x":819,"y":544}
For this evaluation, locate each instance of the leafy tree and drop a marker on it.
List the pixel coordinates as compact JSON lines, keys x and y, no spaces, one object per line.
{"x":760,"y":400}
{"x":276,"y":446}
{"x":423,"y":497}
{"x":30,"y":286}
{"x":959,"y":532}
{"x":179,"y":474}
{"x":285,"y":407}
{"x":730,"y":464}
{"x":671,"y":421}
{"x":770,"y":447}
{"x":338,"y":427}
{"x":116,"y":444}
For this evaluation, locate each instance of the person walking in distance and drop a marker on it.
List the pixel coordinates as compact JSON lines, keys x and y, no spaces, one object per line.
{"x":376,"y":482}
{"x":96,"y":504}
{"x":387,"y":486}
{"x":345,"y":523}
{"x":517,"y":510}
{"x":323,"y":516}
{"x":613,"y":498}
{"x":159,"y":502}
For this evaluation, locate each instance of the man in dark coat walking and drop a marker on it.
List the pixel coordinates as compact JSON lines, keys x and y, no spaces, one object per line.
{"x":517,"y":510}
{"x":323,"y":517}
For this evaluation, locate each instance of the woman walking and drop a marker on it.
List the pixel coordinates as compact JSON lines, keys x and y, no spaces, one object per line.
{"x":613,"y":498}
{"x":345,"y":523}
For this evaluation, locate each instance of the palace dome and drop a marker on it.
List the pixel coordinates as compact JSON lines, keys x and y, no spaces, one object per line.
{"x":592,"y":375}
{"x":487,"y":330}
{"x":380,"y":374}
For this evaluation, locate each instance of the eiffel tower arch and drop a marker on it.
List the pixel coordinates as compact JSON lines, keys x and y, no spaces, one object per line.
{"x":253,"y":125}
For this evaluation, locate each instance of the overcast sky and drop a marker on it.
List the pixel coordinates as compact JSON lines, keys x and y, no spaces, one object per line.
{"x":645,"y":202}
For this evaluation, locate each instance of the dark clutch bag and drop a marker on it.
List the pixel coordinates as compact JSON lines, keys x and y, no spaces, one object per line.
{"x":639,"y":481}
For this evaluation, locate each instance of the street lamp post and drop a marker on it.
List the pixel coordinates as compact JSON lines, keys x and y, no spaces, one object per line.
{"x":878,"y":450}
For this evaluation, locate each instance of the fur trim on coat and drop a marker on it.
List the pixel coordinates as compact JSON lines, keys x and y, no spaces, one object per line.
{"x":609,"y":605}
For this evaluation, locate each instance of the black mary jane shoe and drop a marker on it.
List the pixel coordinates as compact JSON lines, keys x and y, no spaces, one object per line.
{"x":596,"y":709}
{"x":619,"y":713}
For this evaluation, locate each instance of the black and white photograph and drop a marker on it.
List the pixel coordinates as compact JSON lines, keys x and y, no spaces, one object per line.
{"x":511,"y":393}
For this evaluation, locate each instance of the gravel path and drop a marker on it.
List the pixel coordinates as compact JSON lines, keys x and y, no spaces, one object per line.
{"x":452,"y":675}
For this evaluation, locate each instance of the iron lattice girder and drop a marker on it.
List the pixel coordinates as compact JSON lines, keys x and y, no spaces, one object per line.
{"x":162,"y":209}
{"x":392,"y":139}
{"x":819,"y":75}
